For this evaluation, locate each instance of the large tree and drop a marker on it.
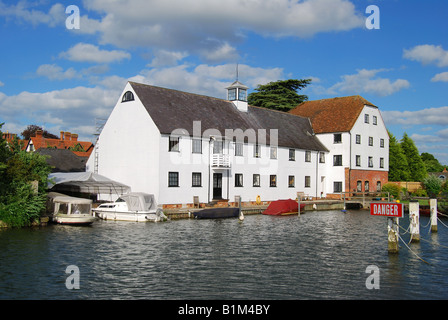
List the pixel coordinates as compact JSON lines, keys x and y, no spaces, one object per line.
{"x":30,"y":131}
{"x":416,"y":167}
{"x":398,"y":165}
{"x":279,"y":95}
{"x":431,"y":163}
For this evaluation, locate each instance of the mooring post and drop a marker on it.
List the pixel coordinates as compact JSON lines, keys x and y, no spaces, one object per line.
{"x":298,"y":199}
{"x":414,"y":217}
{"x":392,"y":234}
{"x":433,"y":208}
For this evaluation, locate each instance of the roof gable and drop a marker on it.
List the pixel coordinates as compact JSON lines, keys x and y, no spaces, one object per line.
{"x":173,"y":110}
{"x":332,"y":115}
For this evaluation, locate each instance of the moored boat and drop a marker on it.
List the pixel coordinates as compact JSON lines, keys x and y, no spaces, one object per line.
{"x":133,"y":206}
{"x":69,"y":210}
{"x":283,"y":208}
{"x":217,"y":213}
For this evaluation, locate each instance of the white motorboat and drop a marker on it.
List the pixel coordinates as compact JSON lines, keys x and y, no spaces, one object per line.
{"x":64,"y":209}
{"x":133,"y":206}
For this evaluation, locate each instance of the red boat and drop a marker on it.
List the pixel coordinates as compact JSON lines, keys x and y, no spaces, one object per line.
{"x":283,"y":208}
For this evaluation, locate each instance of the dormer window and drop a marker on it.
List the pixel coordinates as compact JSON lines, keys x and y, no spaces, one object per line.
{"x":128,"y":96}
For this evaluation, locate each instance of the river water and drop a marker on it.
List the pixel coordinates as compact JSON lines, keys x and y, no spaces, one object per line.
{"x":319,"y":255}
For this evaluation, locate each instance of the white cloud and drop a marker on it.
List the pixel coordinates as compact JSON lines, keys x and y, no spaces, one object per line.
{"x":366,"y":81}
{"x":440,"y":77}
{"x":27,"y":12}
{"x":212,"y":27}
{"x":428,"y":54}
{"x":205,"y":79}
{"x":54,"y":72}
{"x":164,"y":58}
{"x":428,"y":116}
{"x":84,"y":52}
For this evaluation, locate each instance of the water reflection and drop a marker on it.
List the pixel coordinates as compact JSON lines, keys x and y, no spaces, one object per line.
{"x":319,"y":255}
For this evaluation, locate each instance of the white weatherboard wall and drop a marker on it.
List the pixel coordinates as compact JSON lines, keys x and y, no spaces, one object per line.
{"x":366,"y":130}
{"x":129,"y":147}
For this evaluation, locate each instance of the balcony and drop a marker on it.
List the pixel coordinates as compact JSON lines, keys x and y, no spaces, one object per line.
{"x":220,"y":161}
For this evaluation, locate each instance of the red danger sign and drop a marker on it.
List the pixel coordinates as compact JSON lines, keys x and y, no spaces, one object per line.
{"x":394,"y":210}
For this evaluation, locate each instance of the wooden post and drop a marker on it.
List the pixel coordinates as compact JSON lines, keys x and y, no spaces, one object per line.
{"x":414,"y":217}
{"x":298,"y":199}
{"x":433,"y":206}
{"x":392,"y":232}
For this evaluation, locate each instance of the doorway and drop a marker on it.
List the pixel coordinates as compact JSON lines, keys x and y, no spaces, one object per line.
{"x":217,"y":186}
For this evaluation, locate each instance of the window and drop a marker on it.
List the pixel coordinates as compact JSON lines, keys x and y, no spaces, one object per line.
{"x":307,"y":156}
{"x":272,"y":180}
{"x":197,"y":146}
{"x":374,"y":120}
{"x":337,"y":186}
{"x":366,"y":186}
{"x":218,"y":146}
{"x":378,"y":186}
{"x":232,"y":94}
{"x":307,"y":181}
{"x":381,"y":143}
{"x":358,"y":160}
{"x":381,"y":162}
{"x":257,"y":151}
{"x":256,"y":180}
{"x":321,"y":157}
{"x":174,"y":144}
{"x":238,"y":179}
{"x":337,"y":138}
{"x":366,"y":118}
{"x":292,"y":155}
{"x":128,"y":96}
{"x":196,"y":179}
{"x":370,"y":141}
{"x":337,"y":160}
{"x":242,"y":94}
{"x":291,"y":181}
{"x":273,"y":152}
{"x":173,"y":179}
{"x":370,"y":162}
{"x":239,"y":149}
{"x":359,"y":186}
{"x":358,"y":139}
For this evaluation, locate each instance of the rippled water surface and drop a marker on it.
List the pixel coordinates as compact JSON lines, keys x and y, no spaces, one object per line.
{"x":319,"y":255}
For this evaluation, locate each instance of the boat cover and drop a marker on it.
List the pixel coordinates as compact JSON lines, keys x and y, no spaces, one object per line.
{"x":217,"y":213}
{"x":85,"y":182}
{"x":139,"y":201}
{"x":282,"y":207}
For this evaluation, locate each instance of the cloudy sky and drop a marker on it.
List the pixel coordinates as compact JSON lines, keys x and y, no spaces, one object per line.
{"x":63,"y":75}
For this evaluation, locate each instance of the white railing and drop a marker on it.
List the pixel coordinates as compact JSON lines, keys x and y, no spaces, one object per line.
{"x":221,"y":161}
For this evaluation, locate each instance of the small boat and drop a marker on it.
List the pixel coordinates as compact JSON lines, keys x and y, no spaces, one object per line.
{"x":133,"y":206}
{"x":68,"y":210}
{"x":283,"y":208}
{"x":217,"y":213}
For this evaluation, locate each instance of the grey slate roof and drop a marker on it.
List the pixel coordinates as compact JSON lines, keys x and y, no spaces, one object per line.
{"x":172,"y":109}
{"x":63,"y":160}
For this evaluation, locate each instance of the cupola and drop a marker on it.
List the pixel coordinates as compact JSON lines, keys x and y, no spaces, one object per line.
{"x":237,"y":93}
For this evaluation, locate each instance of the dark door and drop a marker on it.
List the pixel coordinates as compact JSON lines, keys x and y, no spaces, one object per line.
{"x":217,"y":186}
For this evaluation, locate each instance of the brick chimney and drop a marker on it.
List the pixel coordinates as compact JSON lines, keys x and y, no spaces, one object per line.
{"x":68,"y":136}
{"x":62,"y":135}
{"x":74,"y":137}
{"x":39,"y":133}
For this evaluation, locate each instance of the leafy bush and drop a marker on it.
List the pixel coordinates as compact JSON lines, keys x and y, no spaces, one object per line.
{"x":420,"y":193}
{"x":433,"y":186}
{"x":392,"y":188}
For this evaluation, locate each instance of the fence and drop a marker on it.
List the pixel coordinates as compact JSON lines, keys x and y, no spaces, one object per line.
{"x":410,"y":186}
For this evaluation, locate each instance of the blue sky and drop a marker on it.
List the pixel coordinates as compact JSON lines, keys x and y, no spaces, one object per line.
{"x":63,"y":79}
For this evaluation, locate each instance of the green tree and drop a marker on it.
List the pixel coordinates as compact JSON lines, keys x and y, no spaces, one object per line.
{"x":431,"y":163}
{"x":398,"y":165}
{"x":20,"y":204}
{"x":416,"y":167}
{"x":279,"y":95}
